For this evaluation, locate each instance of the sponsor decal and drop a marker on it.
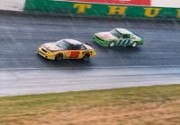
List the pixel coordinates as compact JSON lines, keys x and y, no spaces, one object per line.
{"x":126,"y":2}
{"x":74,"y":54}
{"x":106,"y":35}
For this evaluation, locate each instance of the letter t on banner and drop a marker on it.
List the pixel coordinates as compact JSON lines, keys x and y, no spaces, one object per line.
{"x":82,"y":8}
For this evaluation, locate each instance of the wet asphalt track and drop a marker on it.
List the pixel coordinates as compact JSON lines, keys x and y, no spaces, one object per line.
{"x":21,"y":35}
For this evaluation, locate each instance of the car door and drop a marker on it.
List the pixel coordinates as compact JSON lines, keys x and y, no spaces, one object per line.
{"x":124,"y":40}
{"x":75,"y":52}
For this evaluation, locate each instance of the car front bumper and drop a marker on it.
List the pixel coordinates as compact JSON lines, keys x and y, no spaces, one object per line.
{"x":100,"y":42}
{"x":44,"y":53}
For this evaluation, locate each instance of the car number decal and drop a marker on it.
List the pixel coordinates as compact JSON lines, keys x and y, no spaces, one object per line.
{"x":124,"y":42}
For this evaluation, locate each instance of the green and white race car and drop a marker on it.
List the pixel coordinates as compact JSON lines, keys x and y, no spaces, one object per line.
{"x":118,"y":37}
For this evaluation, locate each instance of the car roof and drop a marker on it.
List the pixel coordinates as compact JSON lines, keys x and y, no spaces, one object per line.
{"x":73,"y":41}
{"x":123,"y":31}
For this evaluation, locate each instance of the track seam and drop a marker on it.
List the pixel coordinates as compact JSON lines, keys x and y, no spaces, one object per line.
{"x":109,"y":67}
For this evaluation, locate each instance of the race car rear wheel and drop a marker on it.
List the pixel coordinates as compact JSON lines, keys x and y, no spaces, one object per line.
{"x":59,"y":57}
{"x":86,"y":57}
{"x":111,"y":44}
{"x":134,"y":44}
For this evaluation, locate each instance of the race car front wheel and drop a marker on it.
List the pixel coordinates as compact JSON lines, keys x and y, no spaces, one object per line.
{"x":111,"y":44}
{"x":134,"y":44}
{"x":86,"y":57}
{"x":59,"y":57}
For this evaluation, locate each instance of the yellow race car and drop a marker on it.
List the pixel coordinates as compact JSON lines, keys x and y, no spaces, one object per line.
{"x":66,"y":49}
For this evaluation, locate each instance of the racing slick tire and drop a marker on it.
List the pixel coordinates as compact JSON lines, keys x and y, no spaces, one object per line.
{"x":134,"y":44}
{"x":86,"y":57}
{"x":59,"y":57}
{"x":111,"y":44}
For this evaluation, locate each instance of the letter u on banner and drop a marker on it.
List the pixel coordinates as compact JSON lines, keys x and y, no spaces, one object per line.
{"x":152,"y":12}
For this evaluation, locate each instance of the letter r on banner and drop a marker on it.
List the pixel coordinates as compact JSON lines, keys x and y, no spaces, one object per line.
{"x":82,"y":8}
{"x":113,"y":10}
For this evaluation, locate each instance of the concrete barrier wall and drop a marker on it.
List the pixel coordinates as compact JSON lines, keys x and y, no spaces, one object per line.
{"x":100,"y":10}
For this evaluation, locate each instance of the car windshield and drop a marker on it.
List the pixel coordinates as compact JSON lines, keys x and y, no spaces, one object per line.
{"x":114,"y":32}
{"x":137,"y":35}
{"x":63,"y":44}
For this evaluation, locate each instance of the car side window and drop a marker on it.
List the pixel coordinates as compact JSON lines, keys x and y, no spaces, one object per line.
{"x":76,"y":47}
{"x":82,"y":47}
{"x":70,"y":47}
{"x":126,"y":36}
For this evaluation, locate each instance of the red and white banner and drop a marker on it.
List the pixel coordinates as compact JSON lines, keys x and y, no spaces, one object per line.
{"x":126,"y":2}
{"x":166,"y":3}
{"x":13,"y":5}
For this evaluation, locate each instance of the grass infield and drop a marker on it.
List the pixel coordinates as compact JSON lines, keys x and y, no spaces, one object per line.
{"x":155,"y":105}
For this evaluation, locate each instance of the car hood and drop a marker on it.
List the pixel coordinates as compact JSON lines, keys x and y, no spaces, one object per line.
{"x":106,"y":36}
{"x":52,"y":47}
{"x":135,"y":37}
